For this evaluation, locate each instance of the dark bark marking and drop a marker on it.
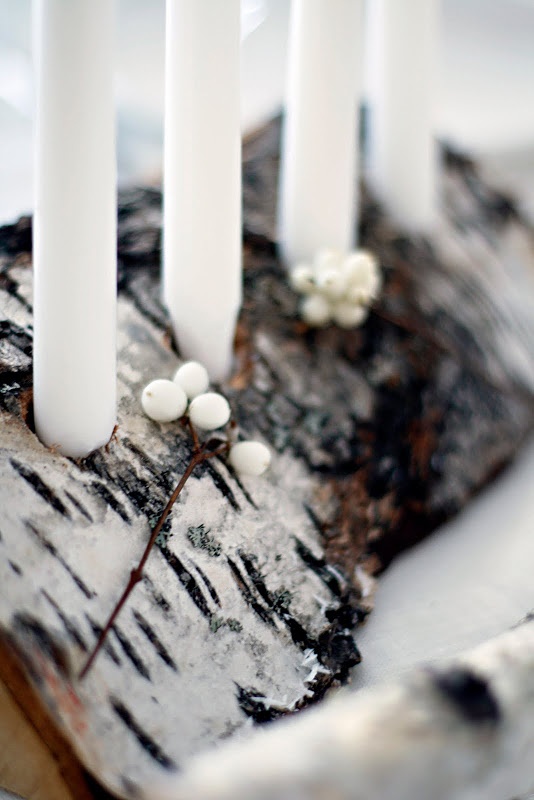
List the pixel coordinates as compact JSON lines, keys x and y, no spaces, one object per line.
{"x":146,"y":741}
{"x":349,"y":613}
{"x":19,"y":337}
{"x":39,"y":486}
{"x":209,"y":586}
{"x":147,"y":495}
{"x":15,"y":567}
{"x":51,"y":548}
{"x":237,"y":479}
{"x":149,"y":307}
{"x":102,"y":491}
{"x":264,"y":614}
{"x":337,"y":650}
{"x":259,"y":242}
{"x":12,"y":288}
{"x":131,"y":653}
{"x":251,"y":703}
{"x":155,"y":641}
{"x":76,"y":503}
{"x":470,"y":694}
{"x":108,"y":647}
{"x":142,"y":493}
{"x":320,"y":567}
{"x":314,"y":519}
{"x":335,"y":646}
{"x":261,"y":709}
{"x":71,"y":629}
{"x":131,"y":789}
{"x":17,"y":237}
{"x":154,"y":469}
{"x":298,"y":633}
{"x":256,"y":578}
{"x":187,"y":580}
{"x":222,"y":486}
{"x":159,"y":599}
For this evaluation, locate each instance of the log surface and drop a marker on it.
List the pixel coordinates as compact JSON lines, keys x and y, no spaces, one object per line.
{"x":463,"y":730}
{"x":249,"y":602}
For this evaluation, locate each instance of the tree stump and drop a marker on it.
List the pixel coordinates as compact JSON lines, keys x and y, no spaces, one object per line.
{"x":250,"y":603}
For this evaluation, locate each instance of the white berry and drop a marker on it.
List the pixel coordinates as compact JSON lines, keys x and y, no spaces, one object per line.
{"x":209,"y":411}
{"x":163,"y":401}
{"x":302,"y":281}
{"x":250,"y":458}
{"x":193,"y":378}
{"x":358,"y":295}
{"x":348,"y":315}
{"x":315,"y":310}
{"x":361,"y":268}
{"x":332,"y":283}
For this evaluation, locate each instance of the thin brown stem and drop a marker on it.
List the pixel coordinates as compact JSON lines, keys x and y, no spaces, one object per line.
{"x":218,"y":452}
{"x":194,"y":436}
{"x":199,"y":455}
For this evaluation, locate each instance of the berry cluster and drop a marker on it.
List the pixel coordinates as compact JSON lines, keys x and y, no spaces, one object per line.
{"x":187,"y":396}
{"x":337,"y":287}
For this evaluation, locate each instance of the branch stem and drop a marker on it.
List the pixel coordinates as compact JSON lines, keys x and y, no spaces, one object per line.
{"x":199,"y":455}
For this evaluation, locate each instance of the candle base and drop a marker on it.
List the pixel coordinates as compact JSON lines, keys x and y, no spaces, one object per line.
{"x":76,"y":444}
{"x":211,"y":343}
{"x":250,"y":597}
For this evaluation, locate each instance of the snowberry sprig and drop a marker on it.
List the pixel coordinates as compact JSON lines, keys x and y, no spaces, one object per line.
{"x":337,"y":287}
{"x":186,"y":398}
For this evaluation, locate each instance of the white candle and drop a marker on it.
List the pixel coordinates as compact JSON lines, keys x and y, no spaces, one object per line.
{"x":319,"y":160}
{"x":202,"y":179}
{"x":74,"y":226}
{"x":401,"y":65}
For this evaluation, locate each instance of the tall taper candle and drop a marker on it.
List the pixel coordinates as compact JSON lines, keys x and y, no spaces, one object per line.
{"x":401,"y":65}
{"x":74,"y":251}
{"x":202,"y":179}
{"x":318,"y":201}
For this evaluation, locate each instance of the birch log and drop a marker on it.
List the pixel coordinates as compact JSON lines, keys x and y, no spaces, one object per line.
{"x":460,"y":731}
{"x":249,"y":604}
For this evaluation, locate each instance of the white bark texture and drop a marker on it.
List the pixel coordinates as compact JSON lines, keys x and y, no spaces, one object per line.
{"x":249,"y":602}
{"x":461,"y":731}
